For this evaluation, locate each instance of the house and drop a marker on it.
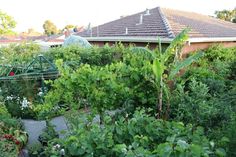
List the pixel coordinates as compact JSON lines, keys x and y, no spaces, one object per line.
{"x":8,"y":40}
{"x":143,"y":28}
{"x":58,"y":40}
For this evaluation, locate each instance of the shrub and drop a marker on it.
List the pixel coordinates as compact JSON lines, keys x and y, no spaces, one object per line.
{"x":20,"y":54}
{"x":3,"y":109}
{"x":140,"y":135}
{"x":197,"y":106}
{"x":116,"y":85}
{"x":12,"y":139}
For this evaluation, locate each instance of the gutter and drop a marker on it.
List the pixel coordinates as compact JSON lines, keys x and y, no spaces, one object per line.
{"x":209,"y":40}
{"x":152,"y":40}
{"x":130,"y":39}
{"x":163,"y":40}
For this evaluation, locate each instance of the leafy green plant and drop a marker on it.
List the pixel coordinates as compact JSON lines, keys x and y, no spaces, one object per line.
{"x":48,"y":134}
{"x":137,"y":135}
{"x":35,"y":150}
{"x":3,"y":109}
{"x":165,"y":68}
{"x":116,"y":85}
{"x":12,"y":138}
{"x":8,"y":148}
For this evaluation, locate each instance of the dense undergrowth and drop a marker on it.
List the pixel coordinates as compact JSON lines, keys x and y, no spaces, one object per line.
{"x":200,"y":121}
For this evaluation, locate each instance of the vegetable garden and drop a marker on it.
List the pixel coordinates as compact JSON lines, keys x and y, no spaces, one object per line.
{"x":149,"y":102}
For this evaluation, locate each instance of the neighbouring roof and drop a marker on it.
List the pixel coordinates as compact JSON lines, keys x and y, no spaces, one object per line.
{"x":164,"y":23}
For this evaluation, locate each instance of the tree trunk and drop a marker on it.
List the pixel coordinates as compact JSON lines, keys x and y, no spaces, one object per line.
{"x":167,"y":109}
{"x":159,"y":103}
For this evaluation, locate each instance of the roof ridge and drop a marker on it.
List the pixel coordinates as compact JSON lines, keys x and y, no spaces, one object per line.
{"x":166,"y":23}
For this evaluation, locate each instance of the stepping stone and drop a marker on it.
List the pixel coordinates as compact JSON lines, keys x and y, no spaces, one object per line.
{"x":34,"y":129}
{"x":60,"y":126}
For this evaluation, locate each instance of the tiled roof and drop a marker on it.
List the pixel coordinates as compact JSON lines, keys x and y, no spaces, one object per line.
{"x":165,"y":23}
{"x":200,"y":25}
{"x":152,"y":25}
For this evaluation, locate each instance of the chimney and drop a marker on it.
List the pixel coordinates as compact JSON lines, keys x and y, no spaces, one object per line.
{"x":140,"y":20}
{"x":147,"y":12}
{"x":126,"y":30}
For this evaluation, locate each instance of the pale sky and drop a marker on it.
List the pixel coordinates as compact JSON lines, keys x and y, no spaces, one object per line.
{"x":33,"y":13}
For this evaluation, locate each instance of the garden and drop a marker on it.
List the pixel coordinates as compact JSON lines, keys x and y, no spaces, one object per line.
{"x":122,"y":101}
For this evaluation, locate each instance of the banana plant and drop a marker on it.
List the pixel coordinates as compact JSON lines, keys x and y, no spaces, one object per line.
{"x":166,"y":65}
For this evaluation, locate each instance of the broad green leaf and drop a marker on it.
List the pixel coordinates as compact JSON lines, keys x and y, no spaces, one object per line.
{"x":196,"y":150}
{"x":178,"y":41}
{"x":158,"y":69}
{"x":164,"y":150}
{"x":183,"y":144}
{"x":220,"y":152}
{"x":185,"y":63}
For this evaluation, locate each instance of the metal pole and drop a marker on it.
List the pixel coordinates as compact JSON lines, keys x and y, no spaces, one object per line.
{"x":41,"y":70}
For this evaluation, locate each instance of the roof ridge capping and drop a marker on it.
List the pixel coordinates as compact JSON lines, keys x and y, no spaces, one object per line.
{"x":166,"y":24}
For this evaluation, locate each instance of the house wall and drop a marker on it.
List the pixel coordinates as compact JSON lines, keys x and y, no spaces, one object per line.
{"x":200,"y":46}
{"x":186,"y":49}
{"x":141,"y":44}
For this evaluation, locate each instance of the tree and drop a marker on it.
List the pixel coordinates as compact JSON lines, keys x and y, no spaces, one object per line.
{"x":69,"y":27}
{"x":49,"y":28}
{"x":227,"y":15}
{"x":7,"y":23}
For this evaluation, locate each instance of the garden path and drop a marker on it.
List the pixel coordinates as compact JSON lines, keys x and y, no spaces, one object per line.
{"x":34,"y":128}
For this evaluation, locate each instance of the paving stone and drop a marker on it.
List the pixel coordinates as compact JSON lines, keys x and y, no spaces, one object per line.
{"x":35,"y":128}
{"x":60,"y":126}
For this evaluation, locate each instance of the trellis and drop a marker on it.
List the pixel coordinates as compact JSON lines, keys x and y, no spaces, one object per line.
{"x":39,"y":69}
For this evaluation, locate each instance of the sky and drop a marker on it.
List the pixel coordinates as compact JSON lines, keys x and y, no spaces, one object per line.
{"x":33,"y":13}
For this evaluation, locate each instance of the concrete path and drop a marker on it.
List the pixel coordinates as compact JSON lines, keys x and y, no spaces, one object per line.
{"x":60,"y":126}
{"x":35,"y":128}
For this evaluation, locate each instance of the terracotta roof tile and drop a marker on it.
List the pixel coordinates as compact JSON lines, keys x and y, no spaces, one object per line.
{"x":164,"y":23}
{"x":152,"y":25}
{"x":201,"y":25}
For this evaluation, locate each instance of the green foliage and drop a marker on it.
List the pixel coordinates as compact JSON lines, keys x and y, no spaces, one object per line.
{"x":49,"y":28}
{"x":12,"y":139}
{"x":48,"y":134}
{"x":139,"y":135}
{"x":35,"y":149}
{"x":18,"y":54}
{"x":73,"y":55}
{"x":8,"y":148}
{"x":165,"y":68}
{"x":19,"y":97}
{"x":69,"y":27}
{"x":7,"y":121}
{"x":205,"y":95}
{"x":14,"y":92}
{"x":7,"y":24}
{"x":3,"y":109}
{"x":119,"y":82}
{"x":227,"y":15}
{"x":110,"y":78}
{"x":198,"y":106}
